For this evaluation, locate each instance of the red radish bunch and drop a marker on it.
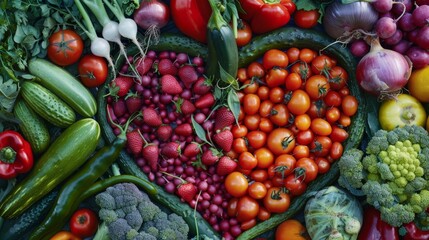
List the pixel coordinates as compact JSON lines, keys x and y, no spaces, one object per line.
{"x":169,"y":94}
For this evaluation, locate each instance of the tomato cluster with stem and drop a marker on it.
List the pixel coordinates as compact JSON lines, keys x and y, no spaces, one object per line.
{"x":295,"y":111}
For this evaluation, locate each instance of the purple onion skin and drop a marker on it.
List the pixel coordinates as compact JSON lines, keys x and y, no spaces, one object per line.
{"x":382,"y":71}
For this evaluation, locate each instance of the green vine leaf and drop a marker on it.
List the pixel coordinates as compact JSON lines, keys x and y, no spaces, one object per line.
{"x":199,"y":131}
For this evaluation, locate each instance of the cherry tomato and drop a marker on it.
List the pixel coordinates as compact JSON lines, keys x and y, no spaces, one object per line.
{"x":321,"y":146}
{"x":93,"y":70}
{"x":242,"y":74}
{"x":236,"y":184}
{"x":251,"y":103}
{"x":264,"y":156}
{"x":247,"y":209}
{"x":265,"y":108}
{"x":239,"y":145}
{"x":323,"y":165}
{"x":305,"y":137}
{"x":248,"y":224}
{"x":276,"y":200}
{"x":259,"y":175}
{"x":344,"y":91}
{"x":279,"y":115}
{"x":255,"y":69}
{"x":263,"y":92}
{"x":275,"y":77}
{"x":321,"y":127}
{"x":65,"y":47}
{"x":284,"y":165}
{"x":307,"y":55}
{"x":64,"y":235}
{"x":247,"y":161}
{"x":277,"y":95}
{"x":244,"y":33}
{"x":321,"y":64}
{"x":336,"y":150}
{"x":239,"y":131}
{"x":251,"y":86}
{"x":306,"y":19}
{"x":263,"y":214}
{"x":349,"y":105}
{"x":317,"y":86}
{"x":302,"y":122}
{"x":257,"y":190}
{"x":332,"y":99}
{"x":295,"y":184}
{"x":344,"y":120}
{"x":291,"y":230}
{"x":252,"y":121}
{"x":281,"y":141}
{"x":84,"y":223}
{"x":293,"y":54}
{"x":266,"y":125}
{"x":301,"y":151}
{"x":310,"y":168}
{"x":317,"y":109}
{"x":256,"y":139}
{"x":338,"y":77}
{"x":299,"y":102}
{"x":332,"y":115}
{"x":338,"y":134}
{"x":231,"y":210}
{"x":293,"y":81}
{"x":274,"y":58}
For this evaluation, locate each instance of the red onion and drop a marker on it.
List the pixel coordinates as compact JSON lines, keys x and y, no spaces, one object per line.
{"x":383,"y":71}
{"x":152,"y":13}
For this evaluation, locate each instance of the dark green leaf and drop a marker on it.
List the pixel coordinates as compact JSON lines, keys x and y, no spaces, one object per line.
{"x":217,"y":93}
{"x":372,"y":106}
{"x":227,"y":78}
{"x":199,"y":130}
{"x":234,"y":103}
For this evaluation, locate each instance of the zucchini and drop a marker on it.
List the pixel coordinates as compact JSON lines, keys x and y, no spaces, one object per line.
{"x":19,"y":227}
{"x":293,"y":37}
{"x":47,"y":104}
{"x":32,"y":126}
{"x":63,"y":157}
{"x":128,"y":165}
{"x":64,"y":85}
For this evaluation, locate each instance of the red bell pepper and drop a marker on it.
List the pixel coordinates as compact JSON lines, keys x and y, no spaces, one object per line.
{"x":414,"y":233}
{"x":191,"y":17}
{"x":16,"y":155}
{"x":266,"y":15}
{"x":376,"y":229}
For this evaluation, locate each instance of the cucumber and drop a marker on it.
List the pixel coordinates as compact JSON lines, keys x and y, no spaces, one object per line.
{"x":63,"y":157}
{"x":47,"y":104}
{"x":64,"y":85}
{"x":128,"y":165}
{"x":19,"y":227}
{"x":32,"y":126}
{"x":292,"y":37}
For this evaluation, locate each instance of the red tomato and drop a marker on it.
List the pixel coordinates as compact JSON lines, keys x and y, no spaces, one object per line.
{"x":277,"y":95}
{"x":338,"y":134}
{"x":252,"y":121}
{"x":263,"y":92}
{"x":281,"y":141}
{"x":191,"y":17}
{"x":239,"y":131}
{"x":276,"y":200}
{"x":65,"y":47}
{"x":306,"y":19}
{"x":264,"y":156}
{"x":349,"y":105}
{"x":332,"y":115}
{"x":255,"y":69}
{"x":332,"y":99}
{"x":247,"y":161}
{"x":93,"y":70}
{"x":266,"y":125}
{"x":321,"y":64}
{"x":244,"y":33}
{"x":321,"y":127}
{"x":239,"y":145}
{"x":284,"y":165}
{"x":317,"y":86}
{"x":251,"y":103}
{"x":236,"y":184}
{"x":299,"y":102}
{"x":336,"y":150}
{"x":321,"y":146}
{"x":307,"y":55}
{"x":263,"y":214}
{"x":338,"y":77}
{"x":293,"y":81}
{"x":84,"y":223}
{"x":310,"y":168}
{"x":279,"y":115}
{"x":257,"y":190}
{"x":295,"y":185}
{"x":305,"y":137}
{"x":274,"y":58}
{"x":301,"y":151}
{"x":231,"y":210}
{"x":259,"y":175}
{"x":256,"y":139}
{"x":276,"y":77}
{"x":247,"y":209}
{"x":317,"y":109}
{"x":302,"y":122}
{"x":323,"y":165}
{"x":64,"y":235}
{"x":242,"y":74}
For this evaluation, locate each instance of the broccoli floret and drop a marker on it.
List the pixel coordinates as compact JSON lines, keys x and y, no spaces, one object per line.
{"x":397,"y":215}
{"x":134,"y":209}
{"x":378,"y":195}
{"x":351,"y":169}
{"x":415,"y":185}
{"x":369,"y":162}
{"x":420,"y":201}
{"x":384,"y":171}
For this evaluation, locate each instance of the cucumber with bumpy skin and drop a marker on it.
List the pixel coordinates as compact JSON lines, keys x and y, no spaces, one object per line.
{"x":64,"y":85}
{"x":285,"y":38}
{"x":32,"y":126}
{"x":47,"y":104}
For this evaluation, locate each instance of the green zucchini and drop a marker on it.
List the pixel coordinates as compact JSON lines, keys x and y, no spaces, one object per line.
{"x":285,"y":38}
{"x":32,"y":126}
{"x":64,"y":85}
{"x":18,"y":228}
{"x":63,"y":157}
{"x":47,"y":104}
{"x":223,"y":51}
{"x":128,"y":165}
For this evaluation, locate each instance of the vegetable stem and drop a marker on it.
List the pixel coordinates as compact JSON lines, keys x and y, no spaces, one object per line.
{"x":99,"y":11}
{"x":90,"y":30}
{"x":115,"y":8}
